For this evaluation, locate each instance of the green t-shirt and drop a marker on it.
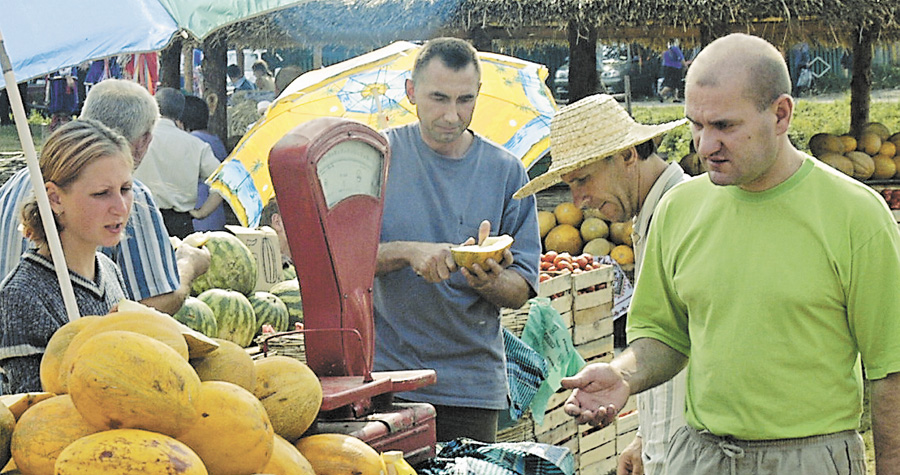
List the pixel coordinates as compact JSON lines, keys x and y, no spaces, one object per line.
{"x":774,"y":296}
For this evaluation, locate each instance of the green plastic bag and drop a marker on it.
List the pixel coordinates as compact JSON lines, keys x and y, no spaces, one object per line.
{"x":545,"y":333}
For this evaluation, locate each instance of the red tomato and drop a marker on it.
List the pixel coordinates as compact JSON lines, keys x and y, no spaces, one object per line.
{"x":581,"y":261}
{"x":550,"y":256}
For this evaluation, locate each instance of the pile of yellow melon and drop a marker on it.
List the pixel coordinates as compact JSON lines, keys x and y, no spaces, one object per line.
{"x":135,"y":392}
{"x":872,"y":155}
{"x":569,"y":229}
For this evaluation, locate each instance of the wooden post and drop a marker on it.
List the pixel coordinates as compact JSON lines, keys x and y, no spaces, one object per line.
{"x":187,"y":52}
{"x":214,"y":83}
{"x":583,"y":79}
{"x":170,"y":64}
{"x":860,"y":79}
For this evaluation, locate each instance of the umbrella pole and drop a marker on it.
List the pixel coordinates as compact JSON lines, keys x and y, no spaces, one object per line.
{"x":37,"y":182}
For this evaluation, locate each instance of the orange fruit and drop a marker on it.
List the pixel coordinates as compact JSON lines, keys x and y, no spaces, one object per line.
{"x":568,"y":213}
{"x":546,"y":221}
{"x":622,"y":254}
{"x":564,"y":238}
{"x":888,"y":149}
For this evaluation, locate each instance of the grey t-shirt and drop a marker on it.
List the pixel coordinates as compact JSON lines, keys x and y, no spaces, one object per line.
{"x":447,"y":326}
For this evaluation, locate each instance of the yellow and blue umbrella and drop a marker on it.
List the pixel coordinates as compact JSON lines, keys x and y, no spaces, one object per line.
{"x":514,"y":109}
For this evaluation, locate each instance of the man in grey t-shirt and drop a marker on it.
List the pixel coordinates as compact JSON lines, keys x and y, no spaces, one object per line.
{"x":444,"y":183}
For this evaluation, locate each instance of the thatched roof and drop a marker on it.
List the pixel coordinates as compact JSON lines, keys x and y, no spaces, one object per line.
{"x":372,"y":23}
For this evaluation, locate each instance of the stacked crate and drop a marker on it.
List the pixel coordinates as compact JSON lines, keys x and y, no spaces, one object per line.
{"x":585,"y":302}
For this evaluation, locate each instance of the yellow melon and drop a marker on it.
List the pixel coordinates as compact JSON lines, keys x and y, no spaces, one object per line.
{"x":593,"y":228}
{"x":839,"y":162}
{"x":129,"y":451}
{"x":567,"y":213}
{"x":160,"y":327}
{"x":546,"y":222}
{"x":20,"y":402}
{"x":888,"y":149}
{"x":290,"y":392}
{"x":7,"y":425}
{"x":339,"y":454}
{"x":863,"y":165}
{"x":564,"y":238}
{"x":822,"y":143}
{"x":492,"y":248}
{"x":229,"y":362}
{"x":896,"y":159}
{"x":598,"y":247}
{"x":44,"y":431}
{"x":884,"y":167}
{"x":849,"y":143}
{"x":878,"y":129}
{"x":620,"y":233}
{"x":622,"y":254}
{"x":287,"y":460}
{"x":124,"y":379}
{"x":895,"y":139}
{"x":868,"y":143}
{"x":56,"y":349}
{"x":232,"y":422}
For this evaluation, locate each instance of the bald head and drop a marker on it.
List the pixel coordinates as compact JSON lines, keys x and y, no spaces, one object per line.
{"x":745,"y":59}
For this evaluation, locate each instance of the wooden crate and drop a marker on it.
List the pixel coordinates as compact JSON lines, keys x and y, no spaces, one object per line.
{"x":592,"y":288}
{"x":626,"y":429}
{"x":597,"y":450}
{"x":558,"y":289}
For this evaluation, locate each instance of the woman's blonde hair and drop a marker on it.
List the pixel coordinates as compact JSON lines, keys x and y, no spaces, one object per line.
{"x":68,"y":150}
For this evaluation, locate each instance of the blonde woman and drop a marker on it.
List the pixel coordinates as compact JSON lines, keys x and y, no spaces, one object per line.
{"x":87,"y":174}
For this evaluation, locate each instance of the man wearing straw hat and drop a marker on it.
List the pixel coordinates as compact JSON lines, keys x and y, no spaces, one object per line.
{"x":772,"y":277}
{"x":610,"y":163}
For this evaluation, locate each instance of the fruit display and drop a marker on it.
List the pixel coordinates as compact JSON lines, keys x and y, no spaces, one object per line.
{"x":871,"y":155}
{"x":136,"y":405}
{"x":493,"y":247}
{"x":569,"y":230}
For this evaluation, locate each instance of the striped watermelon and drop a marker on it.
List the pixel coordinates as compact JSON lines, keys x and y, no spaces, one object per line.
{"x":198,"y":316}
{"x":234,"y":315}
{"x":289,"y":293}
{"x":269,"y":309}
{"x":232,"y":265}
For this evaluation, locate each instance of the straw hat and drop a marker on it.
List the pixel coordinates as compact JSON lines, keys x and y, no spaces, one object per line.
{"x":587,"y":131}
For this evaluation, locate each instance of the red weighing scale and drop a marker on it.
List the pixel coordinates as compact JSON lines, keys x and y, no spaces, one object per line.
{"x":329,"y":176}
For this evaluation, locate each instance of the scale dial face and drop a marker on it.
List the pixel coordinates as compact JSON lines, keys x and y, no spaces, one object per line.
{"x":350,"y":168}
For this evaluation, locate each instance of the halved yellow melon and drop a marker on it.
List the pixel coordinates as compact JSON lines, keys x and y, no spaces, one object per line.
{"x":492,"y":248}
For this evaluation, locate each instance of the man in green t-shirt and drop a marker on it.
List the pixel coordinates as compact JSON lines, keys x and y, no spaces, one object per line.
{"x":773,"y":279}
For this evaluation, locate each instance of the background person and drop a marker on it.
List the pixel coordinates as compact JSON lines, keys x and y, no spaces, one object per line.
{"x":238,"y":81}
{"x":673,"y":65}
{"x":87,"y":173}
{"x":195,"y":119}
{"x":175,"y":162}
{"x":610,"y":163}
{"x":778,"y":277}
{"x":444,"y":182}
{"x":155,"y":274}
{"x":264,"y":79}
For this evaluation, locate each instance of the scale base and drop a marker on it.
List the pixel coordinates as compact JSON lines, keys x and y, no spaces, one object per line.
{"x":346,"y":397}
{"x":408,"y":427}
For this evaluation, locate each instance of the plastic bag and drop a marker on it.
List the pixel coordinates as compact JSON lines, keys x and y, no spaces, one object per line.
{"x":546,"y":334}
